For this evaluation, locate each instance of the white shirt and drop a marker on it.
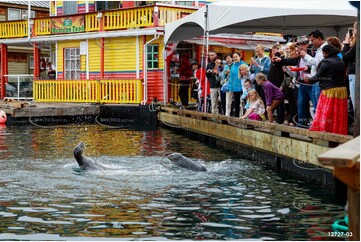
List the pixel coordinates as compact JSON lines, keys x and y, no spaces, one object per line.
{"x":314,"y":61}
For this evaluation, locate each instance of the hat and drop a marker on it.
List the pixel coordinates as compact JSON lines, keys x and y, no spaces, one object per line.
{"x":194,"y":63}
{"x":302,"y":40}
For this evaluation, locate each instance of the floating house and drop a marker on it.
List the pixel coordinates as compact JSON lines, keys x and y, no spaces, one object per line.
{"x":103,"y":51}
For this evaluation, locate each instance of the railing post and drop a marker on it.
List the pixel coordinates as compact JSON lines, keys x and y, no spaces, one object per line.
{"x":36,"y":61}
{"x":102,"y":58}
{"x":98,"y":91}
{"x":155,"y":16}
{"x":4,"y":68}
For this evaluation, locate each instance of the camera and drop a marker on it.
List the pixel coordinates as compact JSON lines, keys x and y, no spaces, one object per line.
{"x":350,"y":32}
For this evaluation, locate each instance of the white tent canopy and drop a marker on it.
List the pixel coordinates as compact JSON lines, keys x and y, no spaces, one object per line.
{"x":281,"y":16}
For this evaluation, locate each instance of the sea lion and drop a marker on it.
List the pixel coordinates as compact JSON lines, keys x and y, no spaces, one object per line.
{"x":179,"y":160}
{"x":83,"y":161}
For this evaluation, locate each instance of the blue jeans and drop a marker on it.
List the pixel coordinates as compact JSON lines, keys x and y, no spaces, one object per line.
{"x":316,"y":91}
{"x":304,"y":97}
{"x":352,"y":81}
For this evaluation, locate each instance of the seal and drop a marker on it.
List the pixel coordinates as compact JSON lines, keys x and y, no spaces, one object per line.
{"x":83,"y":161}
{"x":182,"y":161}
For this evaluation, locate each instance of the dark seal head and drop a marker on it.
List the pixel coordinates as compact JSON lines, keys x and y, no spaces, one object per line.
{"x":182,"y":161}
{"x":83,"y":161}
{"x":78,"y":153}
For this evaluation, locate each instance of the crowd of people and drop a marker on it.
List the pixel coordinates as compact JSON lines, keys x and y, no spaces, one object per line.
{"x":315,"y":74}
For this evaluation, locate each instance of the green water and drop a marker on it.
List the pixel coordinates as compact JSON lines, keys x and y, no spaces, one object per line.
{"x":43,"y":196}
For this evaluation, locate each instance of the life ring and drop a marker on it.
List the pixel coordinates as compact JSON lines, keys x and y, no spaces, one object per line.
{"x":3,"y":117}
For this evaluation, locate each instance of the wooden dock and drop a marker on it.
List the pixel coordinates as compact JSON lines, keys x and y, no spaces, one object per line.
{"x":346,"y":162}
{"x":280,"y":140}
{"x":22,"y":109}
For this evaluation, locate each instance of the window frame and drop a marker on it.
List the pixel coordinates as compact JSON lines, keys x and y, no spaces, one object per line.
{"x":16,"y":9}
{"x":74,"y":72}
{"x":153,"y":60}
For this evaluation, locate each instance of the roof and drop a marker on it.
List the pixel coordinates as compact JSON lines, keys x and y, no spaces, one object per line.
{"x":40,"y":4}
{"x":287,"y":17}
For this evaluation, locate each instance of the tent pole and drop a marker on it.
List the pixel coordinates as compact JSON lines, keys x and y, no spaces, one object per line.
{"x":206,"y":31}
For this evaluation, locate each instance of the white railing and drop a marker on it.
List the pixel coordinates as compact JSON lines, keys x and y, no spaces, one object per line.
{"x":19,"y":87}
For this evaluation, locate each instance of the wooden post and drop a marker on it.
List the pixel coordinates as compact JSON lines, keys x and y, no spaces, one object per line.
{"x":36,"y":61}
{"x":4,"y":69}
{"x":102,"y":59}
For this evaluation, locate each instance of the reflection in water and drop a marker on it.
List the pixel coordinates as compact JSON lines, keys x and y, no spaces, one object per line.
{"x":44,"y":196}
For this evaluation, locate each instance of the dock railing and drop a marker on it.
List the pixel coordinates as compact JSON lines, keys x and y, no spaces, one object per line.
{"x":89,"y":91}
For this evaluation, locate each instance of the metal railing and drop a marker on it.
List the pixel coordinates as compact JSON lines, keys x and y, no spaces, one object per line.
{"x":88,"y":91}
{"x":137,"y":17}
{"x":19,"y":87}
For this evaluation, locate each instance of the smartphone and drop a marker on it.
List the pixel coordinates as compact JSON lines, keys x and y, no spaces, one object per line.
{"x":350,"y":32}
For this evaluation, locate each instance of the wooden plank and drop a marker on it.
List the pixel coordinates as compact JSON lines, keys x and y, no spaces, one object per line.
{"x":346,"y":154}
{"x":266,"y":125}
{"x":353,"y":198}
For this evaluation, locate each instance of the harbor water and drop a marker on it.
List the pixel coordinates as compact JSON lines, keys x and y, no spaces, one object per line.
{"x":45,"y":196}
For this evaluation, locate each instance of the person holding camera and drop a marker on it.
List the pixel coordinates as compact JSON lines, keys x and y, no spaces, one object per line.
{"x":349,"y":56}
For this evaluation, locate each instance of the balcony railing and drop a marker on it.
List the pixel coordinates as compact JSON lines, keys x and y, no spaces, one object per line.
{"x":88,"y":91}
{"x":138,"y":17}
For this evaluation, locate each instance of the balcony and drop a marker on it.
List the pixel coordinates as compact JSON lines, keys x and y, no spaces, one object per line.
{"x":138,"y":17}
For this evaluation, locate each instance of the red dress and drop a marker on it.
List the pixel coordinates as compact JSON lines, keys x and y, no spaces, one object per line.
{"x":331,"y":113}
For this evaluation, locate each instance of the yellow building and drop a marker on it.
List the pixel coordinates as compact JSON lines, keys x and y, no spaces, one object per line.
{"x":109,"y":52}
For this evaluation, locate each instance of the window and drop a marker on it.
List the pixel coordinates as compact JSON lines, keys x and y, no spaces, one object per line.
{"x":107,"y":5}
{"x":71,"y":63}
{"x":14,"y":14}
{"x":25,"y":14}
{"x":185,"y":3}
{"x":31,"y":62}
{"x":70,"y":7}
{"x":152,"y":56}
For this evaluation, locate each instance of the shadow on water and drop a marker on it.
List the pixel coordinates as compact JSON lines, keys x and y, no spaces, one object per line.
{"x":45,"y":195}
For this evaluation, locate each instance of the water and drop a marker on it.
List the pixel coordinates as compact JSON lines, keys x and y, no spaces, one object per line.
{"x":43,"y":196}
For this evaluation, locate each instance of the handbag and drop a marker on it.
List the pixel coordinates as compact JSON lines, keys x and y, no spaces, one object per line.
{"x":225,"y":87}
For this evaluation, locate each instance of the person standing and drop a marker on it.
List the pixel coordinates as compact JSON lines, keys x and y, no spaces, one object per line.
{"x":274,"y":98}
{"x":331,"y":112}
{"x":261,"y":64}
{"x":349,"y":56}
{"x":276,"y":73}
{"x":225,"y":78}
{"x":51,"y":69}
{"x":318,"y":42}
{"x":235,"y":85}
{"x":213,"y":76}
{"x":200,"y":75}
{"x":185,"y":74}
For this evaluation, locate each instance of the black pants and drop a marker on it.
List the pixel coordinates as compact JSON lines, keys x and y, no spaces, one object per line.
{"x":280,"y":113}
{"x":183,"y":93}
{"x":223,"y":102}
{"x":291,"y":96}
{"x":237,"y":103}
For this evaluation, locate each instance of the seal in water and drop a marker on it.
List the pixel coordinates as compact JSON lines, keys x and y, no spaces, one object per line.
{"x":83,"y":161}
{"x":179,"y":160}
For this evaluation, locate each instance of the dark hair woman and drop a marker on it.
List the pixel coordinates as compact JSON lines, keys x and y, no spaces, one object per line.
{"x":331,"y":112}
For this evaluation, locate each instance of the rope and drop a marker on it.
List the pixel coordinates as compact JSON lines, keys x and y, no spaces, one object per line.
{"x":107,"y":126}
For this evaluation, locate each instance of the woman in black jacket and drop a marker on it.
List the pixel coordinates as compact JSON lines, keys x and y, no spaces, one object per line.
{"x":331,"y":112}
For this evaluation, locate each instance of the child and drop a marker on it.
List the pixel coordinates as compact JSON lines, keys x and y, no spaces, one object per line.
{"x":256,"y":109}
